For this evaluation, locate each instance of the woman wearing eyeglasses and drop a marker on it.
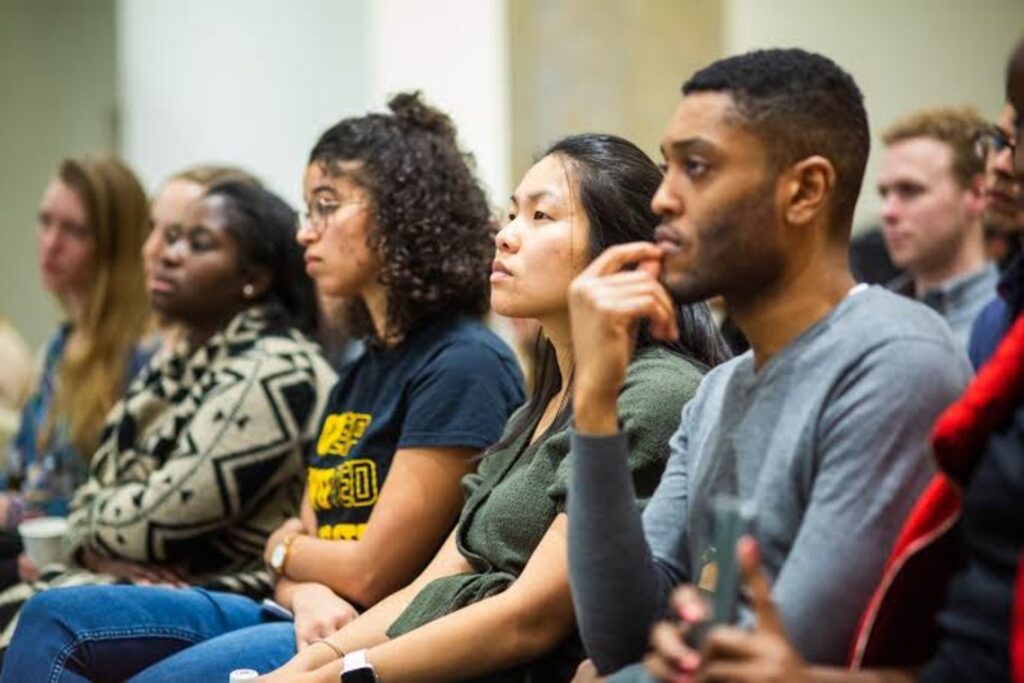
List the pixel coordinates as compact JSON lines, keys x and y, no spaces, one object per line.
{"x":398,"y":225}
{"x":494,"y":604}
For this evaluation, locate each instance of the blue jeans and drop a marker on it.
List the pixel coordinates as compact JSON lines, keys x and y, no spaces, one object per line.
{"x":143,"y":633}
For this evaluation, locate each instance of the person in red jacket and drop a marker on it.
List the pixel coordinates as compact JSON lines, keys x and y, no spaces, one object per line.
{"x":950,"y":605}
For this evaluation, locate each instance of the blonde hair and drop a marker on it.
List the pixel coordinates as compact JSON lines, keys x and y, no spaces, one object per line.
{"x":91,"y":374}
{"x":210,"y":175}
{"x":957,"y":127}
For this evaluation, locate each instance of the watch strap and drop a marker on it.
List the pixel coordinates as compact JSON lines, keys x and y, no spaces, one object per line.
{"x":284,"y":547}
{"x":356,"y":660}
{"x":288,"y":541}
{"x":358,"y":669}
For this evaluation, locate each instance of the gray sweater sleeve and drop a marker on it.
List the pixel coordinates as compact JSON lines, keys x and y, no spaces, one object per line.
{"x":622,"y":576}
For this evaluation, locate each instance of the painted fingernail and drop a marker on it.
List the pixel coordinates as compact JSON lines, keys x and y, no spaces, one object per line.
{"x":691,"y":612}
{"x":689,"y":662}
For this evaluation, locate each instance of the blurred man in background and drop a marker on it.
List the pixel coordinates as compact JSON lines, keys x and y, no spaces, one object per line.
{"x":1004,"y":213}
{"x":1003,"y":216}
{"x":932,"y":187}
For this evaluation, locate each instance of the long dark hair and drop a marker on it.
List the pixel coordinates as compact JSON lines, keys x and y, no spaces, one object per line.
{"x":264,"y":226}
{"x":615,"y":182}
{"x":431,"y":220}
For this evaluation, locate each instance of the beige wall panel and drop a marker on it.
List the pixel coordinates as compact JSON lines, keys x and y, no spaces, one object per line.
{"x":905,"y":55}
{"x":612,"y":66}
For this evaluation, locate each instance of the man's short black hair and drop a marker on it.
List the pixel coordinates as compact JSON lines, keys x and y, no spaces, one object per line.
{"x":799,"y":104}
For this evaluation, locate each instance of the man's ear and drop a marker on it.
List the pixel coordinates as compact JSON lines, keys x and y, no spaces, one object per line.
{"x":808,"y":189}
{"x":974,"y":196}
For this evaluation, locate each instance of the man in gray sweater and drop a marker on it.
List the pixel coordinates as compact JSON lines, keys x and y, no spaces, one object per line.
{"x":822,"y":426}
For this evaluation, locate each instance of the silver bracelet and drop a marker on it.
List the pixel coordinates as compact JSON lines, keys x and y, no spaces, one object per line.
{"x":337,"y":650}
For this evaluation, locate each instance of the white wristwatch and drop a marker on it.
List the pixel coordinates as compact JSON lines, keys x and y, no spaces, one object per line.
{"x":279,"y":555}
{"x":357,"y":669}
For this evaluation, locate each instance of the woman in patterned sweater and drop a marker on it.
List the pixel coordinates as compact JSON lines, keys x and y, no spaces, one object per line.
{"x":202,"y":457}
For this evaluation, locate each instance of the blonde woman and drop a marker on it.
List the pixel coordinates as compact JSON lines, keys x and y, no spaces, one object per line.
{"x":92,"y":222}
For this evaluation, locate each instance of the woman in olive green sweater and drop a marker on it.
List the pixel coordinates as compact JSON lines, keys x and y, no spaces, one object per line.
{"x":494,"y":604}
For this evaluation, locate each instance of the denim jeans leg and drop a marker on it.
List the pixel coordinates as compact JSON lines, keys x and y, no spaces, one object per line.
{"x":264,"y":648}
{"x":112,"y":632}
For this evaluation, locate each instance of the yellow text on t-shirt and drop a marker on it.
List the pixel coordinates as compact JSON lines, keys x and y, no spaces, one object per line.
{"x":349,"y":485}
{"x":341,"y":432}
{"x":341,"y":532}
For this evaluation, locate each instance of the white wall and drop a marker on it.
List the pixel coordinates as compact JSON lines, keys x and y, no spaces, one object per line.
{"x":455,"y":51}
{"x":904,"y":54}
{"x":253,"y":82}
{"x":247,"y":82}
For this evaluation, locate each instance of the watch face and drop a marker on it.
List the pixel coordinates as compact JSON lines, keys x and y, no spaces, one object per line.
{"x":277,"y":557}
{"x":363,"y":674}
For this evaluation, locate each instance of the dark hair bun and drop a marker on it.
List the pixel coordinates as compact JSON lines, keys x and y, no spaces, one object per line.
{"x":410,"y":110}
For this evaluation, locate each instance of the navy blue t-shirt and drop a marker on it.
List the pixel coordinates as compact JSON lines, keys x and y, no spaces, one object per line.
{"x":450,"y":383}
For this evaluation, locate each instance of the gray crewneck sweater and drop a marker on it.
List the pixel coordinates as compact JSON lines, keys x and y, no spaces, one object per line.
{"x":828,"y":441}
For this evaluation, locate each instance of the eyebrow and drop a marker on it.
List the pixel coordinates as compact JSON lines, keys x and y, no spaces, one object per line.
{"x":884,"y":184}
{"x":195,"y":228}
{"x":679,"y":148}
{"x":533,"y":197}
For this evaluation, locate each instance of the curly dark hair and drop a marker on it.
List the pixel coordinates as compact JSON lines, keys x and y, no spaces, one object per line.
{"x":799,"y":104}
{"x":431,"y":220}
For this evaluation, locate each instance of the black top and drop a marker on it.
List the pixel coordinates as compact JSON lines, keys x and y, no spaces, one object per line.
{"x":975,"y":623}
{"x":450,"y":383}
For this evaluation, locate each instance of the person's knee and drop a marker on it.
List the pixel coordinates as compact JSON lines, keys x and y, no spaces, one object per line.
{"x":55,"y":612}
{"x":44,"y":612}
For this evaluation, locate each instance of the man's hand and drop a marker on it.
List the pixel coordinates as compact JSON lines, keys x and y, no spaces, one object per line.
{"x":586,"y":672}
{"x":671,"y":658}
{"x":731,"y":654}
{"x":763,"y":655}
{"x":319,"y":613}
{"x":607,"y":301}
{"x":290,"y":527}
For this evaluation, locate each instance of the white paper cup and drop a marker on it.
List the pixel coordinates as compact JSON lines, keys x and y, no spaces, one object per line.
{"x":43,"y":539}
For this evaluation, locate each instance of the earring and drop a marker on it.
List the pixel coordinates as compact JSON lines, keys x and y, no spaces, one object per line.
{"x":248,"y":290}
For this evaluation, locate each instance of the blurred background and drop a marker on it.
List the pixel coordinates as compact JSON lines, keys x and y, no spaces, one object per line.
{"x":171,"y":83}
